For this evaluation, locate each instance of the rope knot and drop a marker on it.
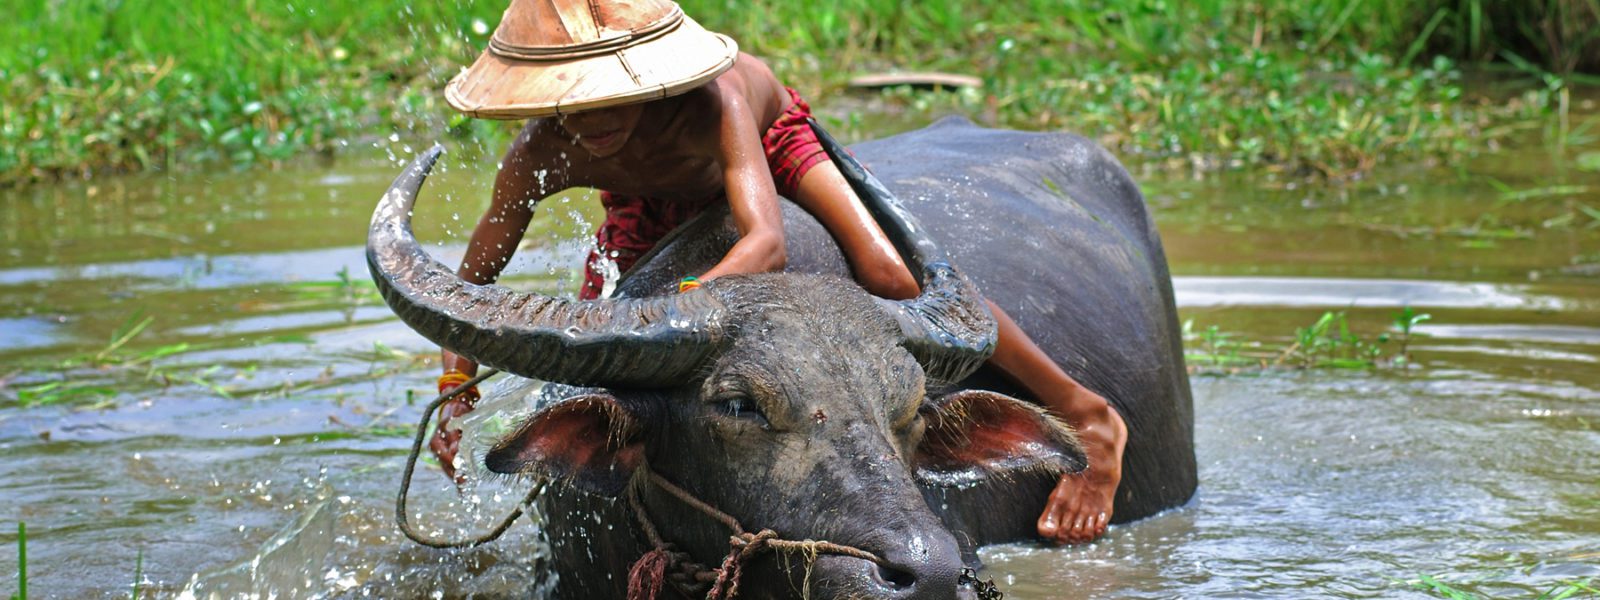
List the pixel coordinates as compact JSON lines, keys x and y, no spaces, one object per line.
{"x":741,"y":548}
{"x":747,"y":544}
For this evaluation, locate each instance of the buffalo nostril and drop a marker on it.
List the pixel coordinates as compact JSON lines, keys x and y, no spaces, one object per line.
{"x":895,"y":578}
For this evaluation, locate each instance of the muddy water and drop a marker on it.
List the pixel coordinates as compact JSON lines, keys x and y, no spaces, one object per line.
{"x":249,"y":437}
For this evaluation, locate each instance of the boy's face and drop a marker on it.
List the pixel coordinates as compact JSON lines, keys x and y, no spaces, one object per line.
{"x":603,"y":131}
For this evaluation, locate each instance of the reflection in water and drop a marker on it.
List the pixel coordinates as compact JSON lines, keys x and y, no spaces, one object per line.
{"x":252,"y":436}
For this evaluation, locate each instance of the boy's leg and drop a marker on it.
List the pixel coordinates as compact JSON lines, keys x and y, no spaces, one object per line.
{"x":877,"y":266}
{"x":1080,"y":507}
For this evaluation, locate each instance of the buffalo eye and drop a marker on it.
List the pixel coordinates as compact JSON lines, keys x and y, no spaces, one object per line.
{"x":740,"y":406}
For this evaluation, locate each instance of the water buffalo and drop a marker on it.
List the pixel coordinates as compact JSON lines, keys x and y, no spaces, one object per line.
{"x":798,"y":403}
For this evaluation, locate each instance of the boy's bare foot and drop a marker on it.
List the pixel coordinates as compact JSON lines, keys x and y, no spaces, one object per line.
{"x":1080,"y":507}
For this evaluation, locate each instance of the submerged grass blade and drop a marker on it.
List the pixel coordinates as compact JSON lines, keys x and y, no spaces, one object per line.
{"x":22,"y":561}
{"x":138,"y":573}
{"x":130,"y":329}
{"x":1442,"y":589}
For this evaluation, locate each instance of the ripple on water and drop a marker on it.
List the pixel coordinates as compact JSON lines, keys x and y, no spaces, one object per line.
{"x":1342,"y":293}
{"x":32,"y":332}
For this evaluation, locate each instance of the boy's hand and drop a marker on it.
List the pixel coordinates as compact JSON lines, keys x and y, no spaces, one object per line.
{"x":446,"y":441}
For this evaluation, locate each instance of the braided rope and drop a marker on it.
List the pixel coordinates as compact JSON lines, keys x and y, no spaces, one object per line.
{"x":743,"y":546}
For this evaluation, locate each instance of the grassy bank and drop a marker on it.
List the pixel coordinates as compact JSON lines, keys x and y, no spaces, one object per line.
{"x":1329,"y":87}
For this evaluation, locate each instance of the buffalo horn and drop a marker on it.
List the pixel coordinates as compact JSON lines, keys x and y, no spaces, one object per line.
{"x":948,"y":327}
{"x":645,"y":342}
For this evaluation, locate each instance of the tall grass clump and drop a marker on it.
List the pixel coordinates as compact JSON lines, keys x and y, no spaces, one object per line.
{"x":1562,"y":36}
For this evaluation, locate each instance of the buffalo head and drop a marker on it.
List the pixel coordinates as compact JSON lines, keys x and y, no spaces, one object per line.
{"x":791,"y":402}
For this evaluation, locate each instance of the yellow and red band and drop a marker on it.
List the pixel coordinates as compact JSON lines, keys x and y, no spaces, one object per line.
{"x":453,"y":379}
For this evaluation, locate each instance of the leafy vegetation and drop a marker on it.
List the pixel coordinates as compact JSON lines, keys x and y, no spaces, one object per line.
{"x":1404,"y":322}
{"x":1322,"y":87}
{"x":1327,"y":343}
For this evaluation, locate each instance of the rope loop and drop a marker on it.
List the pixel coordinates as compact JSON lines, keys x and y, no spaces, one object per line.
{"x":400,"y":517}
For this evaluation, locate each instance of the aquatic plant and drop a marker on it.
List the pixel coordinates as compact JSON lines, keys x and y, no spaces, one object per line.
{"x":1563,"y":590}
{"x":96,"y":379}
{"x":1443,"y":590}
{"x":342,"y":289}
{"x":22,"y":562}
{"x":1214,"y":346}
{"x":1327,"y":343}
{"x":1404,"y":321}
{"x":138,"y":574}
{"x":63,"y":389}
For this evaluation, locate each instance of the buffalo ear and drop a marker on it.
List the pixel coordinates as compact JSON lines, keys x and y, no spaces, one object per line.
{"x":591,"y":441}
{"x":973,"y":435}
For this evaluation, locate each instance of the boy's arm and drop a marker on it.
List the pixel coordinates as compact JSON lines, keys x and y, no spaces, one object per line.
{"x":501,"y":227}
{"x":493,"y":242}
{"x":751,"y":194}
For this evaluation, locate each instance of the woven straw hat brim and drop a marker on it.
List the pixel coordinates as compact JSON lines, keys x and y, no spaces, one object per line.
{"x":497,"y":87}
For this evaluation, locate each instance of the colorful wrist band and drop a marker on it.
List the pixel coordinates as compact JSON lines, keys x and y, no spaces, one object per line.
{"x":688,"y":283}
{"x":452,"y":378}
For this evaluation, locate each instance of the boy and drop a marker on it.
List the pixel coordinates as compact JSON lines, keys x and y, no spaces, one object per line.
{"x":638,"y":100}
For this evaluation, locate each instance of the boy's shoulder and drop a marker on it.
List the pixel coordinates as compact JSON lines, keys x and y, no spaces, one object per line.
{"x":756,"y":86}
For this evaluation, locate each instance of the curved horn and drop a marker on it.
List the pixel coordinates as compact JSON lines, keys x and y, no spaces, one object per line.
{"x":643,"y":342}
{"x":948,"y":326}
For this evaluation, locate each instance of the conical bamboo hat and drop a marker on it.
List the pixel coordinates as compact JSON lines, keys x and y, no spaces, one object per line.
{"x":551,"y":57}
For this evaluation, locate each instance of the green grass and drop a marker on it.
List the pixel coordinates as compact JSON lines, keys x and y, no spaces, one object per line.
{"x":1561,"y":35}
{"x":1319,"y":87}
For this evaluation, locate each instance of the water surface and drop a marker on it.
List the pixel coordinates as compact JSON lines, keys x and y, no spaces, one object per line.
{"x":250,"y":437}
